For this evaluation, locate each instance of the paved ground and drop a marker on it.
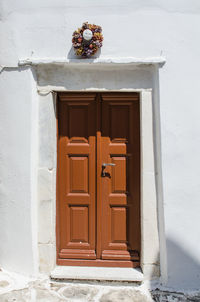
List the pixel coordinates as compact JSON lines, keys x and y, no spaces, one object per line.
{"x":16,"y":288}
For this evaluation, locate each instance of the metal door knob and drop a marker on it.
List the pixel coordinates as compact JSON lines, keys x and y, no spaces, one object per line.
{"x":104,"y":165}
{"x":108,"y":164}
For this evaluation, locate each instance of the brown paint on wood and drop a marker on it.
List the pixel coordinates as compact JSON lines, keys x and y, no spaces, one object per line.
{"x":77,"y":176}
{"x":98,"y":263}
{"x":98,"y":218}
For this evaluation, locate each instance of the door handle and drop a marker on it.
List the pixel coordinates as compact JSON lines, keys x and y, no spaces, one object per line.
{"x":108,"y":164}
{"x":104,"y":165}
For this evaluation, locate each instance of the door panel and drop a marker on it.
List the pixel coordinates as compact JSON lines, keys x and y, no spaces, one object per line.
{"x":79,"y":231}
{"x":118,"y":224}
{"x":118,"y":174}
{"x":77,"y":174}
{"x":98,"y":209}
{"x":120,"y":144}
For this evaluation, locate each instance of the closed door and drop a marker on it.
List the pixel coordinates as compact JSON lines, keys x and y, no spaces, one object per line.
{"x":98,"y":179}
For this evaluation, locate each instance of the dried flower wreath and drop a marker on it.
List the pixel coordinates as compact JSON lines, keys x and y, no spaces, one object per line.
{"x":87,"y":40}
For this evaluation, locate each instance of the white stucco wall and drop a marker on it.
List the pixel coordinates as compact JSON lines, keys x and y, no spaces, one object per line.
{"x":17,"y":172}
{"x":146,"y":28}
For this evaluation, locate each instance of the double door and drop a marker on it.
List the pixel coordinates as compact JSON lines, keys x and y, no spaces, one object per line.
{"x":98,"y":179}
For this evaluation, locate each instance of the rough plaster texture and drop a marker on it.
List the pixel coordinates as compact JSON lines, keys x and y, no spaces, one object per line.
{"x":46,"y":183}
{"x":152,"y":28}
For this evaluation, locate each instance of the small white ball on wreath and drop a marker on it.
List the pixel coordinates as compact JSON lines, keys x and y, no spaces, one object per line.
{"x":87,"y":40}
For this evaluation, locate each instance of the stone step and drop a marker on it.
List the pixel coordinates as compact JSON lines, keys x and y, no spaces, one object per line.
{"x":98,"y":274}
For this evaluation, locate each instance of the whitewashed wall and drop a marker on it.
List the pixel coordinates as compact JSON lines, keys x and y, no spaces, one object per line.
{"x":140,"y":28}
{"x":18,"y":148}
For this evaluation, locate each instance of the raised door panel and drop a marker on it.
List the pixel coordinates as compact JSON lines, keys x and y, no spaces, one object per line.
{"x":76,"y":176}
{"x":120,"y":144}
{"x":79,"y":224}
{"x":118,"y":174}
{"x":118,"y":224}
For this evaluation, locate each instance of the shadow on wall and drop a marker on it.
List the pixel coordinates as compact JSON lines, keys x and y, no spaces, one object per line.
{"x":71,"y":55}
{"x":183,"y":269}
{"x":87,"y":76}
{"x":183,"y":276}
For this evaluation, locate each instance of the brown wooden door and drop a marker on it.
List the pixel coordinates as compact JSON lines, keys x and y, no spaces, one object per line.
{"x":98,"y":200}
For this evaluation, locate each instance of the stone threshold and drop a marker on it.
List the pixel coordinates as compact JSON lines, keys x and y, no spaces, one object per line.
{"x":83,"y":273}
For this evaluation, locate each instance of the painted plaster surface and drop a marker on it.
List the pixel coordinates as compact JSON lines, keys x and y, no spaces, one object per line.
{"x":150,"y":29}
{"x":16,"y":178}
{"x":102,"y":77}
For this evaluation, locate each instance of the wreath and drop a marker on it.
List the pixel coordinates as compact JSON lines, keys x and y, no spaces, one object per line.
{"x":87,"y":40}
